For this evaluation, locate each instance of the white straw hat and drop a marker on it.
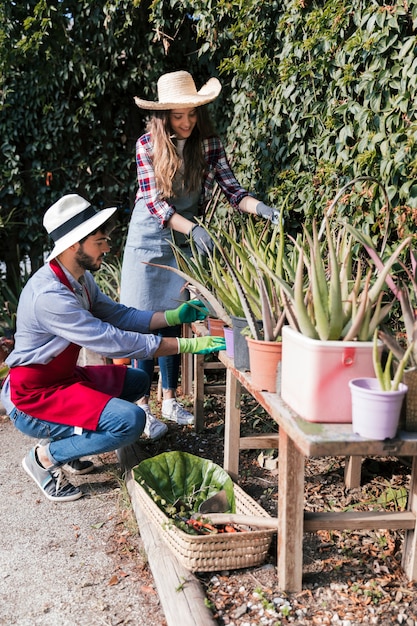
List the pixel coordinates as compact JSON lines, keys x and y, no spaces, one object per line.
{"x":71,"y":219}
{"x":178,"y":90}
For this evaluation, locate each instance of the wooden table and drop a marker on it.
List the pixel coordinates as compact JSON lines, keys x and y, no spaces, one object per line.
{"x":298,"y":439}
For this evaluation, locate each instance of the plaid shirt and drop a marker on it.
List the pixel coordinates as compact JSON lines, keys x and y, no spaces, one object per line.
{"x":218,"y":170}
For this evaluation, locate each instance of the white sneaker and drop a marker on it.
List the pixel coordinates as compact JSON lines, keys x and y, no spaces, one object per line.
{"x":154,"y":428}
{"x":175,"y":412}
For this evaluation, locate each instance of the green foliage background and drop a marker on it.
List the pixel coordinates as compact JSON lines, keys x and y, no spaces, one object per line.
{"x":314,"y":93}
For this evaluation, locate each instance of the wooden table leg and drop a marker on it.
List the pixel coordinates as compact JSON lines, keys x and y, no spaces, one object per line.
{"x":409,"y":560}
{"x":290,"y":514}
{"x":186,"y":364}
{"x":232,"y":426}
{"x":199,"y":393}
{"x":353,"y":468}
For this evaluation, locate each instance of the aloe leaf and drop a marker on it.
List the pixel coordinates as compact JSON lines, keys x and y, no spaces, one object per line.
{"x":407,"y":312}
{"x":378,"y":317}
{"x":384,"y":273}
{"x":206,"y":293}
{"x":376,"y":359}
{"x":387,"y":372}
{"x":250,"y":318}
{"x":267,"y":317}
{"x":360,"y":313}
{"x":289,"y":312}
{"x":399,"y":373}
{"x":319,"y":287}
{"x":306,"y":326}
{"x":335,"y":291}
{"x":391,"y":344}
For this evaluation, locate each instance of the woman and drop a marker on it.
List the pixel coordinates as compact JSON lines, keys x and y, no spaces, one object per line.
{"x":178,"y":161}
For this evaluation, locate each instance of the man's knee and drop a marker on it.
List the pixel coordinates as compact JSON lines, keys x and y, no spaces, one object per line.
{"x":131,"y":421}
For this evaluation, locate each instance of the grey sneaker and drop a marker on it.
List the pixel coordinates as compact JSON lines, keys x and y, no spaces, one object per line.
{"x":52,"y":482}
{"x":177,"y":413}
{"x":78,"y":467}
{"x":154,"y":428}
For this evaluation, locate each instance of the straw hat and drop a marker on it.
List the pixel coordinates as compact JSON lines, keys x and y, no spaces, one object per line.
{"x":71,"y":219}
{"x":178,"y":90}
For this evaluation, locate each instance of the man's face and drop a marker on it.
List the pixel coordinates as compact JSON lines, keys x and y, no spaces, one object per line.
{"x":91,"y":252}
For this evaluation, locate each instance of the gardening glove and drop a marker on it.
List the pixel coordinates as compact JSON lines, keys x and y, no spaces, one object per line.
{"x":268,"y":213}
{"x":186,"y":313}
{"x":201,"y":345}
{"x":202,"y":239}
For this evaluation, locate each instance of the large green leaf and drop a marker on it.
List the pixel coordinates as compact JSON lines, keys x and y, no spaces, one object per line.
{"x":180,"y":476}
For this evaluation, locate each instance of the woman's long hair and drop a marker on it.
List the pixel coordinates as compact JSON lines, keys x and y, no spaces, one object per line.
{"x":166,"y":161}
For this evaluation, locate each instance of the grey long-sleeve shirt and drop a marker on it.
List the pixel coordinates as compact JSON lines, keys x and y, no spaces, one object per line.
{"x":50,"y":317}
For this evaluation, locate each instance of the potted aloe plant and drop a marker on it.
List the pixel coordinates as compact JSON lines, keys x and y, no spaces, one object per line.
{"x":333,"y":308}
{"x":377,"y":401}
{"x":404,"y":288}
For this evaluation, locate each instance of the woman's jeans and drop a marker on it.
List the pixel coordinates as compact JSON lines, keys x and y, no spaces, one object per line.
{"x":121,"y":423}
{"x":169,"y":366}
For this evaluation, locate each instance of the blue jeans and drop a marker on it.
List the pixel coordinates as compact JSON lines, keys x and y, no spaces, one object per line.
{"x":121,"y":423}
{"x":169,"y":366}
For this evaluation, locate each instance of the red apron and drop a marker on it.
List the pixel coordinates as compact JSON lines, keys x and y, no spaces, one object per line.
{"x":63,"y":392}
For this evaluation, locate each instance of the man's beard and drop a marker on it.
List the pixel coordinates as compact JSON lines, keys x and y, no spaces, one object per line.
{"x":85,"y":261}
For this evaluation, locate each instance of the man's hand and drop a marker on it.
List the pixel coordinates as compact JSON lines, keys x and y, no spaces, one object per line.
{"x":201,"y":345}
{"x":187,"y":312}
{"x":268,"y":213}
{"x":202,"y":239}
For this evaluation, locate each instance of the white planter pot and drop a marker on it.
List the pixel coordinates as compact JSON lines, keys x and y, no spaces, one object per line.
{"x":375,"y":413}
{"x":315,"y":375}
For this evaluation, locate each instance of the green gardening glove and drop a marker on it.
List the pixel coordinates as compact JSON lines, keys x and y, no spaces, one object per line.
{"x":201,"y":345}
{"x":187,"y":312}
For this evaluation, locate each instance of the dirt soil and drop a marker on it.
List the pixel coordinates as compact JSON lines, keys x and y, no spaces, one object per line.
{"x":84,"y":563}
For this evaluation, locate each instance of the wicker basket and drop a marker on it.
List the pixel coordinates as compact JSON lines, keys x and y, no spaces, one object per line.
{"x":209,"y":553}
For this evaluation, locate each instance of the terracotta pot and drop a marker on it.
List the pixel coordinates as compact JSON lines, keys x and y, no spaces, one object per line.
{"x":264,"y":358}
{"x":215,"y":327}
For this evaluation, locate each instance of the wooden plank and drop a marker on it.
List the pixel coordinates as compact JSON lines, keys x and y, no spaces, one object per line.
{"x":409,"y":559}
{"x":214,"y":389}
{"x":353,"y":466}
{"x":179,"y":590}
{"x":263,"y":441}
{"x":322,"y":439}
{"x":290,"y":515}
{"x":198,"y":393}
{"x":232,"y":426}
{"x":214,"y":365}
{"x":187,"y":364}
{"x":358,"y":520}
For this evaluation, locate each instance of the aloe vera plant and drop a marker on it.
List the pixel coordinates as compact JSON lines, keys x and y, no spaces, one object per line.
{"x":405,"y":290}
{"x":383,"y":373}
{"x":230,"y":281}
{"x":332,"y":297}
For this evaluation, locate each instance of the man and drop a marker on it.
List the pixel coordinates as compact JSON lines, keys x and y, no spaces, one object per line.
{"x":78,"y":411}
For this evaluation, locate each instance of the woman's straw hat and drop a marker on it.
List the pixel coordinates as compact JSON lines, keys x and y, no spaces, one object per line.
{"x":178,"y":90}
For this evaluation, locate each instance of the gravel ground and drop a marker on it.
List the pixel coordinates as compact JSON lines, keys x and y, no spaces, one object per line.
{"x":71,"y":564}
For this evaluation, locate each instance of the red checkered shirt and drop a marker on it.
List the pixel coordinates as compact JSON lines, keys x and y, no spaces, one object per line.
{"x":218,"y":170}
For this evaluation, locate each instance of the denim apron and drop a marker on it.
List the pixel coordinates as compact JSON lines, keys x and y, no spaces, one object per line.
{"x":143,"y":286}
